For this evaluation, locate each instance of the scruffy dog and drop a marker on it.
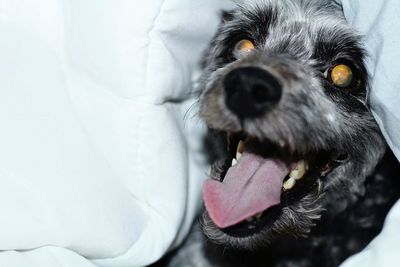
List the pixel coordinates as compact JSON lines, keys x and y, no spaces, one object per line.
{"x":295,"y":180}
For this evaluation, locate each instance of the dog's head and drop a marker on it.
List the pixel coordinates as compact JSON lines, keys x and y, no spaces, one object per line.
{"x":284,"y":91}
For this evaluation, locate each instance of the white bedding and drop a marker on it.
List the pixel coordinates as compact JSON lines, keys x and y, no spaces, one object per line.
{"x":98,"y":166}
{"x":379,"y":21}
{"x":97,"y":159}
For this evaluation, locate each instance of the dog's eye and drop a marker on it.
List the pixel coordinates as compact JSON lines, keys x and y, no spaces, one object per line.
{"x":341,"y":76}
{"x":243,"y":48}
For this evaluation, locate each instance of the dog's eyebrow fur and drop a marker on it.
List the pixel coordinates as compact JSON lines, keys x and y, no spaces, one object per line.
{"x":333,"y":44}
{"x":259,"y":20}
{"x":254,"y":23}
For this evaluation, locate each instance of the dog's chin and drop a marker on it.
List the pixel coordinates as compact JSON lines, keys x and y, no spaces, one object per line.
{"x":300,"y":199}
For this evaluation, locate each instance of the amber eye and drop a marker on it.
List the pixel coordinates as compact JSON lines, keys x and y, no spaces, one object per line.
{"x":341,"y":76}
{"x":243,"y":48}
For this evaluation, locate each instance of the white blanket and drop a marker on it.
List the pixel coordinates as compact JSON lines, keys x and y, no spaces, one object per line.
{"x":97,"y":151}
{"x":379,"y":21}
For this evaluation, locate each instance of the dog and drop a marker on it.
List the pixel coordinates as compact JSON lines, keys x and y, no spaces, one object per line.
{"x":295,"y":179}
{"x":299,"y":174}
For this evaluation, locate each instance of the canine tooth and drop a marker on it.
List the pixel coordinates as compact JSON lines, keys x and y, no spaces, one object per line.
{"x":289,"y":184}
{"x":299,"y":171}
{"x":240,"y":147}
{"x":238,"y":155}
{"x":234,"y":162}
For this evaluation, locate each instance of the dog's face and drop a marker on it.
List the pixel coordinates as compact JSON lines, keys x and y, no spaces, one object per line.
{"x":285,"y":86}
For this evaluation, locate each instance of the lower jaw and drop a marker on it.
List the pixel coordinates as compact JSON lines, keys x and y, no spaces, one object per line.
{"x":289,"y":199}
{"x":272,"y":227}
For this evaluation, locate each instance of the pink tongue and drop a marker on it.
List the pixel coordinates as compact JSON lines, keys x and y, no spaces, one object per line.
{"x":250,"y":187}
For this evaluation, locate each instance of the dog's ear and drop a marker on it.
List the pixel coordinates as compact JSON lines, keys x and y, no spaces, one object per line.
{"x":226,"y":16}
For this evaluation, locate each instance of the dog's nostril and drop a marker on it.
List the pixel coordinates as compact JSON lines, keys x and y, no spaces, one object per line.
{"x":250,"y":91}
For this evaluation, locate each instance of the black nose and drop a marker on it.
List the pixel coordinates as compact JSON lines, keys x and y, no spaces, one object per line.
{"x":250,"y":91}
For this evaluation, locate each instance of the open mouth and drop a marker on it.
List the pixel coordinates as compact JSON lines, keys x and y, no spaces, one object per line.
{"x":257,"y":179}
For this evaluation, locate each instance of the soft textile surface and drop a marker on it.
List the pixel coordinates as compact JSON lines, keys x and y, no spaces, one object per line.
{"x":379,"y":21}
{"x":97,"y":158}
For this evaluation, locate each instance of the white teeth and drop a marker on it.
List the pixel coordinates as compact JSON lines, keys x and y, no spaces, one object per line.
{"x":209,"y":171}
{"x":298,"y":172}
{"x":234,"y":162}
{"x":289,"y":184}
{"x":239,"y":150}
{"x":240,"y":147}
